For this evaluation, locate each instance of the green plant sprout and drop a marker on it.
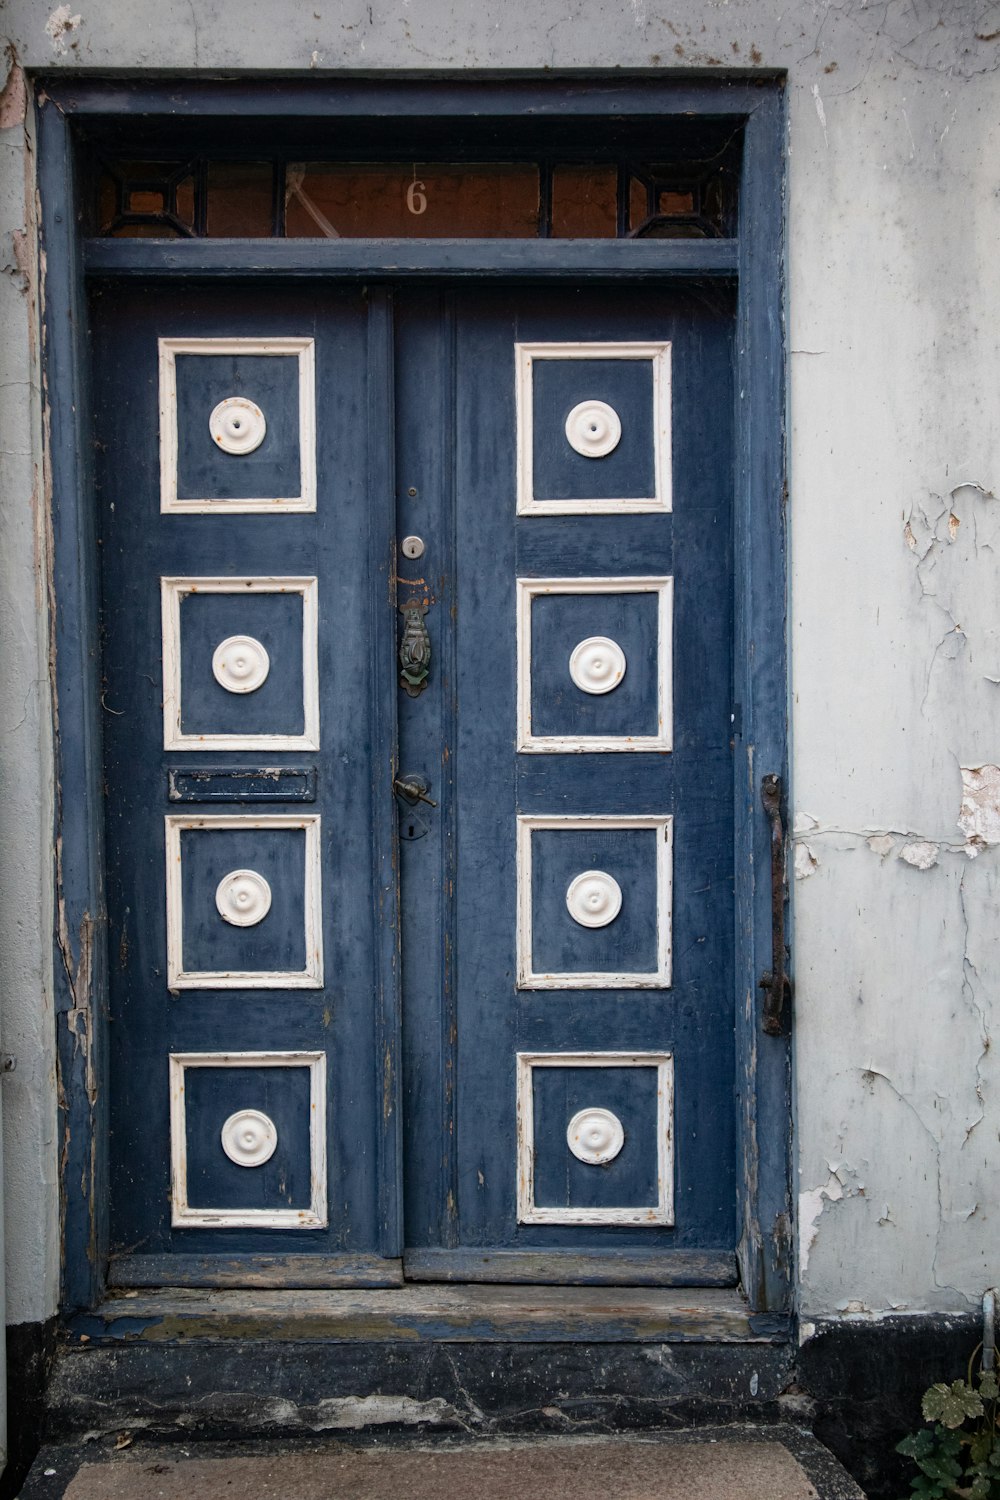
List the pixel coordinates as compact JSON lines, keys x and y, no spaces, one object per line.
{"x":959,"y":1455}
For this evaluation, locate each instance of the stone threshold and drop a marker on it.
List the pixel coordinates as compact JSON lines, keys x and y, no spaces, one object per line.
{"x":739,"y":1462}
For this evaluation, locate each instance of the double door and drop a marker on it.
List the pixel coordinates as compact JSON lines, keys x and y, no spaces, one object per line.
{"x":417,"y":665}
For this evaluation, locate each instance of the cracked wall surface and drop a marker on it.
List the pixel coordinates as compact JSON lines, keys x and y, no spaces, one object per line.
{"x":893,"y":220}
{"x":27,"y":1095}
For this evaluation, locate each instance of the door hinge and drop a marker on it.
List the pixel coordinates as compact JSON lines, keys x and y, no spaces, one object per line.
{"x":775,"y":982}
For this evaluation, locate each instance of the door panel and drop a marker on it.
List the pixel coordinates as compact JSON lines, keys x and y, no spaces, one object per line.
{"x":247,"y":756}
{"x":566,"y":926}
{"x":558,"y":790}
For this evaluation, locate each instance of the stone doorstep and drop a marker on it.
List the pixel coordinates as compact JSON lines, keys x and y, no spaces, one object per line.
{"x":739,"y":1462}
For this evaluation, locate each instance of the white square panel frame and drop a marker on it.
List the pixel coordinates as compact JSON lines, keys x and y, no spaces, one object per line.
{"x":179,"y":978}
{"x":529,"y":589}
{"x":182,"y":1215}
{"x":657,"y":503}
{"x":173,"y":592}
{"x":653,"y":979}
{"x":662,"y":1212}
{"x":302,"y":349}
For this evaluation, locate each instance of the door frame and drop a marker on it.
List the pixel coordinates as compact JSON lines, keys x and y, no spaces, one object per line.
{"x":71,"y":113}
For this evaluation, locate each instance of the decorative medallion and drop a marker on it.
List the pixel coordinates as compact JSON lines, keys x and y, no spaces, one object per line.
{"x":594,"y":898}
{"x":240,"y":664}
{"x":243,"y":898}
{"x":597,"y":665}
{"x":593,"y":1135}
{"x":594,"y":429}
{"x":237,"y":425}
{"x":249,"y":1138}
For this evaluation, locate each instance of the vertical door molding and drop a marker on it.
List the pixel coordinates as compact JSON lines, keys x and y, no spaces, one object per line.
{"x":382,"y":683}
{"x":80,"y":960}
{"x":760,"y":703}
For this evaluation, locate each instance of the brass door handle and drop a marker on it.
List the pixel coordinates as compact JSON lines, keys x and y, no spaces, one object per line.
{"x":413,"y":789}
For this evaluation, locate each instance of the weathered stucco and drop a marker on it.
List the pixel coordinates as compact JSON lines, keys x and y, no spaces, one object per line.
{"x":893,"y":223}
{"x":27,"y":1095}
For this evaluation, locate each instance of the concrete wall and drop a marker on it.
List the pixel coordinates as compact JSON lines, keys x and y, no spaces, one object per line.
{"x":894,"y":223}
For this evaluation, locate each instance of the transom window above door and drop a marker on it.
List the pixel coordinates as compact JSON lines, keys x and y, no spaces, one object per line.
{"x":593,"y":198}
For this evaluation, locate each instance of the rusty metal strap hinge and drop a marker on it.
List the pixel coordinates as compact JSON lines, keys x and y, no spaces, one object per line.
{"x":775,"y":983}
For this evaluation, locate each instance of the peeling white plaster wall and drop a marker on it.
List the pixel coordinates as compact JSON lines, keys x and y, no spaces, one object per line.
{"x":27,"y":1095}
{"x":894,"y":219}
{"x":896,"y":642}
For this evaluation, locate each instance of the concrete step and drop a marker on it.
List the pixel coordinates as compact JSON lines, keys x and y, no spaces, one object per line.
{"x":739,"y":1462}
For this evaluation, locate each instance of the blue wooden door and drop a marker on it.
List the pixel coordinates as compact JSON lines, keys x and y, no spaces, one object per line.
{"x":529,"y":1076}
{"x":246,"y":550}
{"x":568,"y":913}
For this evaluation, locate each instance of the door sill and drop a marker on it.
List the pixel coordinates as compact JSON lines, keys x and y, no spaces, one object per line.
{"x":677,"y":1268}
{"x":435,"y":1314}
{"x":291,"y":1272}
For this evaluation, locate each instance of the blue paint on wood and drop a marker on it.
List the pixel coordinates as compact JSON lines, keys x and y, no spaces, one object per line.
{"x":563,"y":1181}
{"x":243,"y":784}
{"x":559,"y":943}
{"x":460,"y":1075}
{"x":204,"y":470}
{"x":605,"y":96}
{"x":361,"y":260}
{"x":559,"y":472}
{"x":760,"y":687}
{"x":559,"y":622}
{"x":80,"y":952}
{"x":212,"y":1095}
{"x":275,"y":620}
{"x":763,"y":1183}
{"x":348,"y":553}
{"x":277,"y":943}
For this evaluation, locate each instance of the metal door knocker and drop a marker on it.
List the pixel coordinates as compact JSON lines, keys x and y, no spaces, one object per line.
{"x":414,"y":649}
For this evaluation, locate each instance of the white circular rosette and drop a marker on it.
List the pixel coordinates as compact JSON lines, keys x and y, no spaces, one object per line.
{"x":594,"y":429}
{"x":243,"y":898}
{"x":594,"y":898}
{"x":595,"y":1136}
{"x":249,"y":1138}
{"x":240,"y":664}
{"x":597,"y":665}
{"x":237,"y":425}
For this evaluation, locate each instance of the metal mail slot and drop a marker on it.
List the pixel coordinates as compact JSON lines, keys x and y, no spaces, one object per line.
{"x":243,"y":784}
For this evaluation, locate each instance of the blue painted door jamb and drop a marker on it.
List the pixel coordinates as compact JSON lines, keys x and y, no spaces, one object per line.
{"x":80,"y":945}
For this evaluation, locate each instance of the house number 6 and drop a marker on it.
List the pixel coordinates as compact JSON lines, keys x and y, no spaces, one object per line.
{"x":416,"y":198}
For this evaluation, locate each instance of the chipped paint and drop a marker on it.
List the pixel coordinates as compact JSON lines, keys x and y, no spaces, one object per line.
{"x":13,"y":96}
{"x":60,"y":25}
{"x":355,"y":1413}
{"x":920,"y":854}
{"x":806,"y":863}
{"x":334,"y":1414}
{"x":813,"y":1202}
{"x":979,"y":817}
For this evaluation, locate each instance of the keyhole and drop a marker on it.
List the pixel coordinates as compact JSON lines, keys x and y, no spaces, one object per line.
{"x":411,"y":830}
